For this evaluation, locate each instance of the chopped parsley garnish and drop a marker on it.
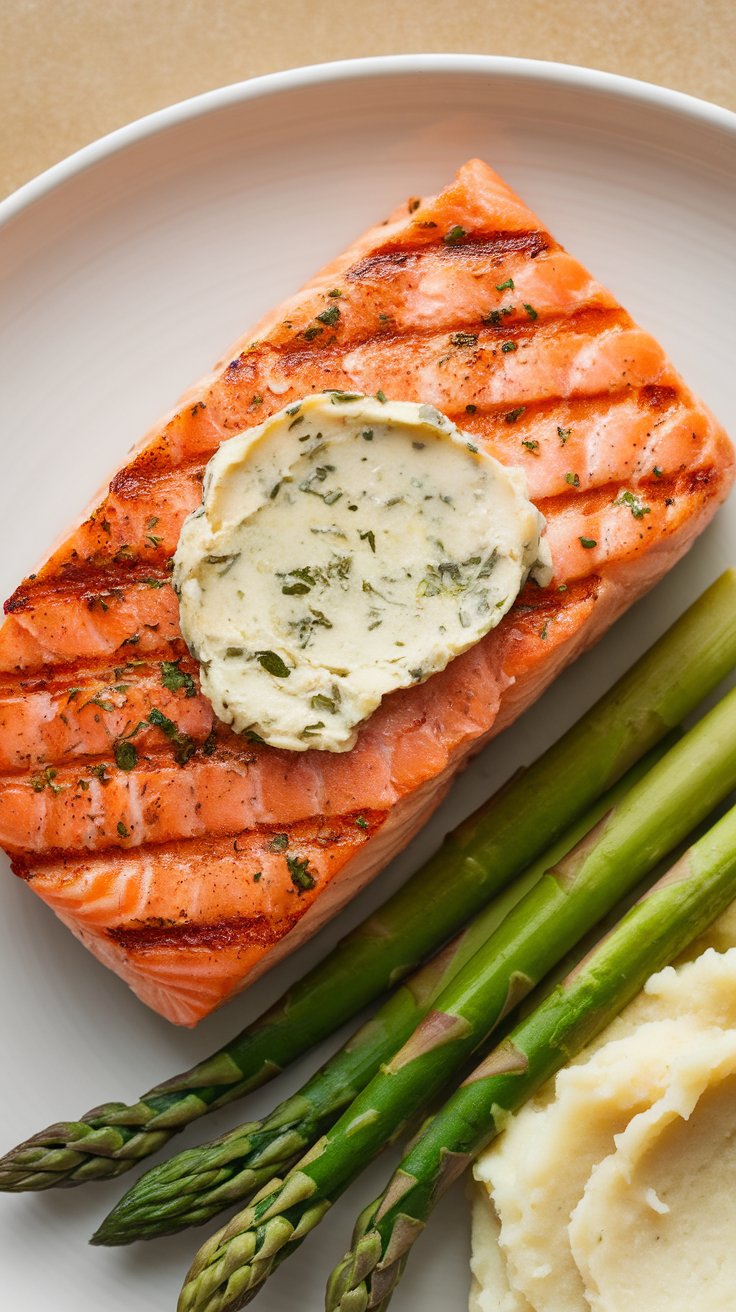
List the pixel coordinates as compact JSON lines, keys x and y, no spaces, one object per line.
{"x":380,"y":397}
{"x":657,"y":471}
{"x":210,"y":743}
{"x":300,"y":875}
{"x":464,"y":339}
{"x":321,"y":703}
{"x":472,"y":448}
{"x":105,"y":526}
{"x":543,"y":634}
{"x":513,"y":415}
{"x":368,"y":435}
{"x":294,"y":409}
{"x":572,"y":479}
{"x":329,"y":317}
{"x":46,"y":780}
{"x":562,"y":587}
{"x":563,"y":434}
{"x":310,"y":333}
{"x":361,"y":822}
{"x":122,"y":830}
{"x":471,"y":409}
{"x":173,"y":678}
{"x":73,"y":693}
{"x":331,"y":497}
{"x":306,"y":580}
{"x":273,"y":664}
{"x":126,"y":756}
{"x":335,"y":292}
{"x":342,"y":398}
{"x":530,"y":311}
{"x":371,"y":539}
{"x":154,"y":583}
{"x":509,"y":346}
{"x":634,"y":503}
{"x":310,"y":730}
{"x":130,"y":642}
{"x":279,"y":843}
{"x":257,"y":400}
{"x":494,"y":317}
{"x":508,"y":285}
{"x":531,"y":445}
{"x":455,"y":235}
{"x":155,"y":542}
{"x":257,"y":876}
{"x":587,"y":543}
{"x":185,"y":746}
{"x":299,"y":420}
{"x":97,"y":701}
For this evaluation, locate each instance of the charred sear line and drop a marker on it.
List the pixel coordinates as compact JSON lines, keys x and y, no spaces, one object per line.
{"x":657,"y":397}
{"x":351,"y":830}
{"x":237,"y":931}
{"x":703,"y":481}
{"x":591,"y":320}
{"x":88,"y":581}
{"x":534,"y":604}
{"x":146,"y":474}
{"x":60,"y":680}
{"x":389,"y":260}
{"x":578,"y":407}
{"x":156,"y":755}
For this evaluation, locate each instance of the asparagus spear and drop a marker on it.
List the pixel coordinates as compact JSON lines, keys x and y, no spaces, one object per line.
{"x":193,"y":1186}
{"x":657,"y":813}
{"x":475,"y":861}
{"x":668,"y":917}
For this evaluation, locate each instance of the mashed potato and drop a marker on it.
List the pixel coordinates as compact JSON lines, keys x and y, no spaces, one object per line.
{"x":613,"y":1188}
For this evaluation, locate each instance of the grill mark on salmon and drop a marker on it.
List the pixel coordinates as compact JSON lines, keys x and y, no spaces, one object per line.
{"x":267,"y":843}
{"x":497,"y":245}
{"x":248,"y":930}
{"x":169,"y":900}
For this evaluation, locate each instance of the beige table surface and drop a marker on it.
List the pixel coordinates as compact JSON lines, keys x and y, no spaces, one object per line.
{"x":73,"y":70}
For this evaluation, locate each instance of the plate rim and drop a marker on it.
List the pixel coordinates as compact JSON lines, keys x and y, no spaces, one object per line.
{"x":648,"y":94}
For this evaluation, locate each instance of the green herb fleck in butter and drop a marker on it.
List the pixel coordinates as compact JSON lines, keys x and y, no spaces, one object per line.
{"x":294,"y":602}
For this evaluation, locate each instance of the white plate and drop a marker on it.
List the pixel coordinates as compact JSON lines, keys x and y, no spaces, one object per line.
{"x":124,"y":272}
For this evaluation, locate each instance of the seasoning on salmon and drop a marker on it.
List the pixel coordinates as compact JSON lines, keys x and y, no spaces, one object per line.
{"x":191,"y":859}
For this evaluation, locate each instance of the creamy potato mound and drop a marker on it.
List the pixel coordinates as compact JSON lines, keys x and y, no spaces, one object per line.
{"x":613,"y":1189}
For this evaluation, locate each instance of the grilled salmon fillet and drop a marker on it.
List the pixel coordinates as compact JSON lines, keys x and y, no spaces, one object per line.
{"x":178,"y":871}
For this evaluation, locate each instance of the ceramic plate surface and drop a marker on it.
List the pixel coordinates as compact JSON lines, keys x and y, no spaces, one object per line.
{"x":124,"y":274}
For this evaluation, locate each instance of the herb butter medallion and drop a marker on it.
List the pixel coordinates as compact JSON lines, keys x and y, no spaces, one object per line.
{"x":339,"y":559}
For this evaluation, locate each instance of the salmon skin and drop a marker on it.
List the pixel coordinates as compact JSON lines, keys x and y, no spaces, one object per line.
{"x":193,"y":861}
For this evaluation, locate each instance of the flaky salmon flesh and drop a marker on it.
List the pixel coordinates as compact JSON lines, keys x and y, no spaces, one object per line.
{"x":177,"y":865}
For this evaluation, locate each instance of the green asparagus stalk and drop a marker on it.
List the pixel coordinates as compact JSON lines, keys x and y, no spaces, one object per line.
{"x":474,"y":863}
{"x":658,"y":812}
{"x":668,"y":917}
{"x":193,"y":1186}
